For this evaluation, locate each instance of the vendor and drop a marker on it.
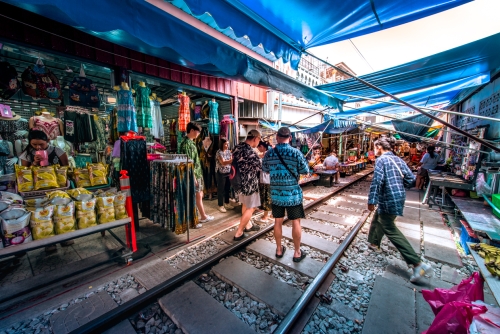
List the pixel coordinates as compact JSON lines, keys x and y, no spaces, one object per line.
{"x":332,"y":163}
{"x":38,"y":141}
{"x":429,"y":161}
{"x":315,"y":156}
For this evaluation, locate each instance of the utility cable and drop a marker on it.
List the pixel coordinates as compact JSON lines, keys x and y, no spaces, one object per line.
{"x":350,"y":40}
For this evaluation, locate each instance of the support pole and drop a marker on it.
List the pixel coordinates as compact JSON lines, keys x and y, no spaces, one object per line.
{"x":409,"y":105}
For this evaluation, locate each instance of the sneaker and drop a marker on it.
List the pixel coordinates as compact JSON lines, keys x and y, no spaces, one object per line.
{"x":374,"y":248}
{"x":208,"y":219}
{"x":229,"y":206}
{"x":222,"y":209}
{"x":421,"y":271}
{"x":199,"y":225}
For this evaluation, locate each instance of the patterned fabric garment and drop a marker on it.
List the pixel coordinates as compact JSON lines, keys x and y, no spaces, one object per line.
{"x":184,"y":112}
{"x":249,"y":166}
{"x":133,"y":158}
{"x":213,"y":118}
{"x":188,"y":147}
{"x":285,"y":190}
{"x":126,"y":112}
{"x":51,"y":128}
{"x":157,"y":127}
{"x":225,"y":155}
{"x":143,"y":106}
{"x":265,"y":196}
{"x":113,"y":125}
{"x":387,"y":188}
{"x":102,"y":142}
{"x":197,"y":112}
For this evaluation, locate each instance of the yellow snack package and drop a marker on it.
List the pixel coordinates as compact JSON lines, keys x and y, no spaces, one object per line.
{"x":37,"y":202}
{"x":62,"y":175}
{"x":24,"y":177}
{"x":57,"y":194}
{"x":85,"y":213}
{"x":79,"y":194}
{"x":82,"y":178}
{"x":97,"y":173}
{"x":41,"y":222}
{"x":64,"y":219}
{"x":44,"y":177}
{"x":119,"y":204}
{"x":105,"y":209}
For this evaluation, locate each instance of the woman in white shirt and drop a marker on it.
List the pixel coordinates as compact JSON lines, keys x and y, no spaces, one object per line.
{"x":264,"y":185}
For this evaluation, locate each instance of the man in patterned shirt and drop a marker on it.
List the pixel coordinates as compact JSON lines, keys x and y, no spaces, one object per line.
{"x":249,"y":167}
{"x":286,"y":194}
{"x":387,"y":190}
{"x":188,"y":147}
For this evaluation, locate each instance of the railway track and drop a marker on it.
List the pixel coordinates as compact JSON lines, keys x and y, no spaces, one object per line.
{"x":241,"y":289}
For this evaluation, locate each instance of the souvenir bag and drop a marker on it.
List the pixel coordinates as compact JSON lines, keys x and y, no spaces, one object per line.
{"x":9,"y":85}
{"x":83,"y":92}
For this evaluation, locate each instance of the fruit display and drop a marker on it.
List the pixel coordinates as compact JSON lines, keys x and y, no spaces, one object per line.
{"x":491,"y":256}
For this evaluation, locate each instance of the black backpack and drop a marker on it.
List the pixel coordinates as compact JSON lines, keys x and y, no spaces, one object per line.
{"x":235,"y":176}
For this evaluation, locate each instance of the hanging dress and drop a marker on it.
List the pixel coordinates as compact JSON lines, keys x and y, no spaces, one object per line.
{"x":126,"y":112}
{"x":143,"y":106}
{"x":157,"y":128}
{"x":213,"y":118}
{"x":184,"y":112}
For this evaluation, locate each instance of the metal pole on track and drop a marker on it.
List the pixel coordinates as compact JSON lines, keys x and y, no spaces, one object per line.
{"x":409,"y":105}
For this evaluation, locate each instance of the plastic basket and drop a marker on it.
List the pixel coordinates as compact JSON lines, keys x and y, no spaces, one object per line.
{"x":94,"y":188}
{"x":40,"y":193}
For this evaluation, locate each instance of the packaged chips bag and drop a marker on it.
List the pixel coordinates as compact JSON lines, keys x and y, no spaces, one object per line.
{"x":37,"y":202}
{"x":85,"y":213}
{"x":119,"y":204}
{"x":97,"y":173}
{"x":41,"y":222}
{"x":62,"y":175}
{"x":16,"y":231}
{"x":64,"y":217}
{"x":24,"y":177}
{"x":82,"y":178}
{"x":58,"y":195}
{"x":44,"y":177}
{"x":80,"y":194}
{"x":105,"y":209}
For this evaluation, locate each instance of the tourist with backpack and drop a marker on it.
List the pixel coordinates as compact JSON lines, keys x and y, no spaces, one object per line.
{"x":285,"y":164}
{"x":244,"y":179}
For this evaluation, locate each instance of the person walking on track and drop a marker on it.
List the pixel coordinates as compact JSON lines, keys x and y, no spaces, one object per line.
{"x":388,"y":192}
{"x":284,"y":165}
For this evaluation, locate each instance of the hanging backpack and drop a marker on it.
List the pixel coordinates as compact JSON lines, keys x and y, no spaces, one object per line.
{"x":235,"y":176}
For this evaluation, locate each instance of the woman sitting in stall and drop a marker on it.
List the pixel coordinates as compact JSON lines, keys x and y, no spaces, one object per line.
{"x":38,"y":141}
{"x":429,"y":161}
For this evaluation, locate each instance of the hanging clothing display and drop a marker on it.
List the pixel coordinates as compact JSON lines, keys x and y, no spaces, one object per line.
{"x":143,"y":106}
{"x":83,"y":92}
{"x":228,"y":130}
{"x":40,"y":82}
{"x":9,"y":85}
{"x":157,"y":126}
{"x":197,"y":112}
{"x":133,"y":158}
{"x":8,"y":129}
{"x":184,"y":112}
{"x":4,"y":155}
{"x":213,"y":117}
{"x":126,"y":112}
{"x":101,"y":140}
{"x":79,"y":125}
{"x":205,"y":110}
{"x":169,"y":187}
{"x":49,"y":126}
{"x":113,"y":125}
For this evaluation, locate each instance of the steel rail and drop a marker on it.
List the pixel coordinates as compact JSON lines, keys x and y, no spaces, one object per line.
{"x":409,"y":105}
{"x":114,"y":316}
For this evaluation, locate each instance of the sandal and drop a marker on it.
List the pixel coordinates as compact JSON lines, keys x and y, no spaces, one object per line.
{"x":241,"y":237}
{"x":301,"y":257}
{"x":254,"y":227}
{"x":283,"y":249}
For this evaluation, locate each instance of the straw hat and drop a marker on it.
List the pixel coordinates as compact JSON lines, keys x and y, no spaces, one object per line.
{"x":13,"y":118}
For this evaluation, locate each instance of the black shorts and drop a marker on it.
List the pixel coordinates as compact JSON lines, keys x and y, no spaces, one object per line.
{"x":293,"y":212}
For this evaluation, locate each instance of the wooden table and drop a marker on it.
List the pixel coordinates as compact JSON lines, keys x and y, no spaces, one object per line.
{"x":479,"y":216}
{"x":492,"y":281}
{"x":439,"y":181}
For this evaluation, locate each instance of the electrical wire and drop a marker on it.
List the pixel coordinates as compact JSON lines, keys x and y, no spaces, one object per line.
{"x":350,"y":40}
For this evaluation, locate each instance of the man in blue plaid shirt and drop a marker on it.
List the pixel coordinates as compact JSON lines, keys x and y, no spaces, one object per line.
{"x":388,"y":192}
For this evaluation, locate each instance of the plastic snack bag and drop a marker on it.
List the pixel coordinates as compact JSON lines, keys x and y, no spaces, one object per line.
{"x":80,"y":194}
{"x":105,"y":209}
{"x":13,"y":212}
{"x":97,"y":173}
{"x":16,"y":231}
{"x":82,"y":178}
{"x":64,"y":218}
{"x":37,"y":202}
{"x":24,"y":177}
{"x":44,"y":178}
{"x":62,"y":175}
{"x":85,"y":213}
{"x":119,"y":204}
{"x":15,"y":198}
{"x":41,"y":222}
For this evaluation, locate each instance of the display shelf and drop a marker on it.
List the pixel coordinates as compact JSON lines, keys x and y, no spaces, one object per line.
{"x":25,"y":247}
{"x":492,"y":281}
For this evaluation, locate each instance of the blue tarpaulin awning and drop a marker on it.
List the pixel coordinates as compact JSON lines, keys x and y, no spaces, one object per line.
{"x":331,"y":126}
{"x":467,"y":61}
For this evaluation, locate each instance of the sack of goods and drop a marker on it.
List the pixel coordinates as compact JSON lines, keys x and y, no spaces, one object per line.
{"x":41,"y":222}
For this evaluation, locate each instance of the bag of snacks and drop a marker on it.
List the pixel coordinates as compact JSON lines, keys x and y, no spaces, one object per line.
{"x":16,"y":231}
{"x":80,"y":194}
{"x":85,"y":213}
{"x":15,"y":198}
{"x":97,"y":173}
{"x":64,"y":218}
{"x":58,"y":194}
{"x":82,"y":178}
{"x":13,"y":212}
{"x":62,"y":175}
{"x":37,"y":202}
{"x":24,"y":178}
{"x":44,"y":177}
{"x":105,"y":209}
{"x":119,"y":204}
{"x":41,"y":222}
